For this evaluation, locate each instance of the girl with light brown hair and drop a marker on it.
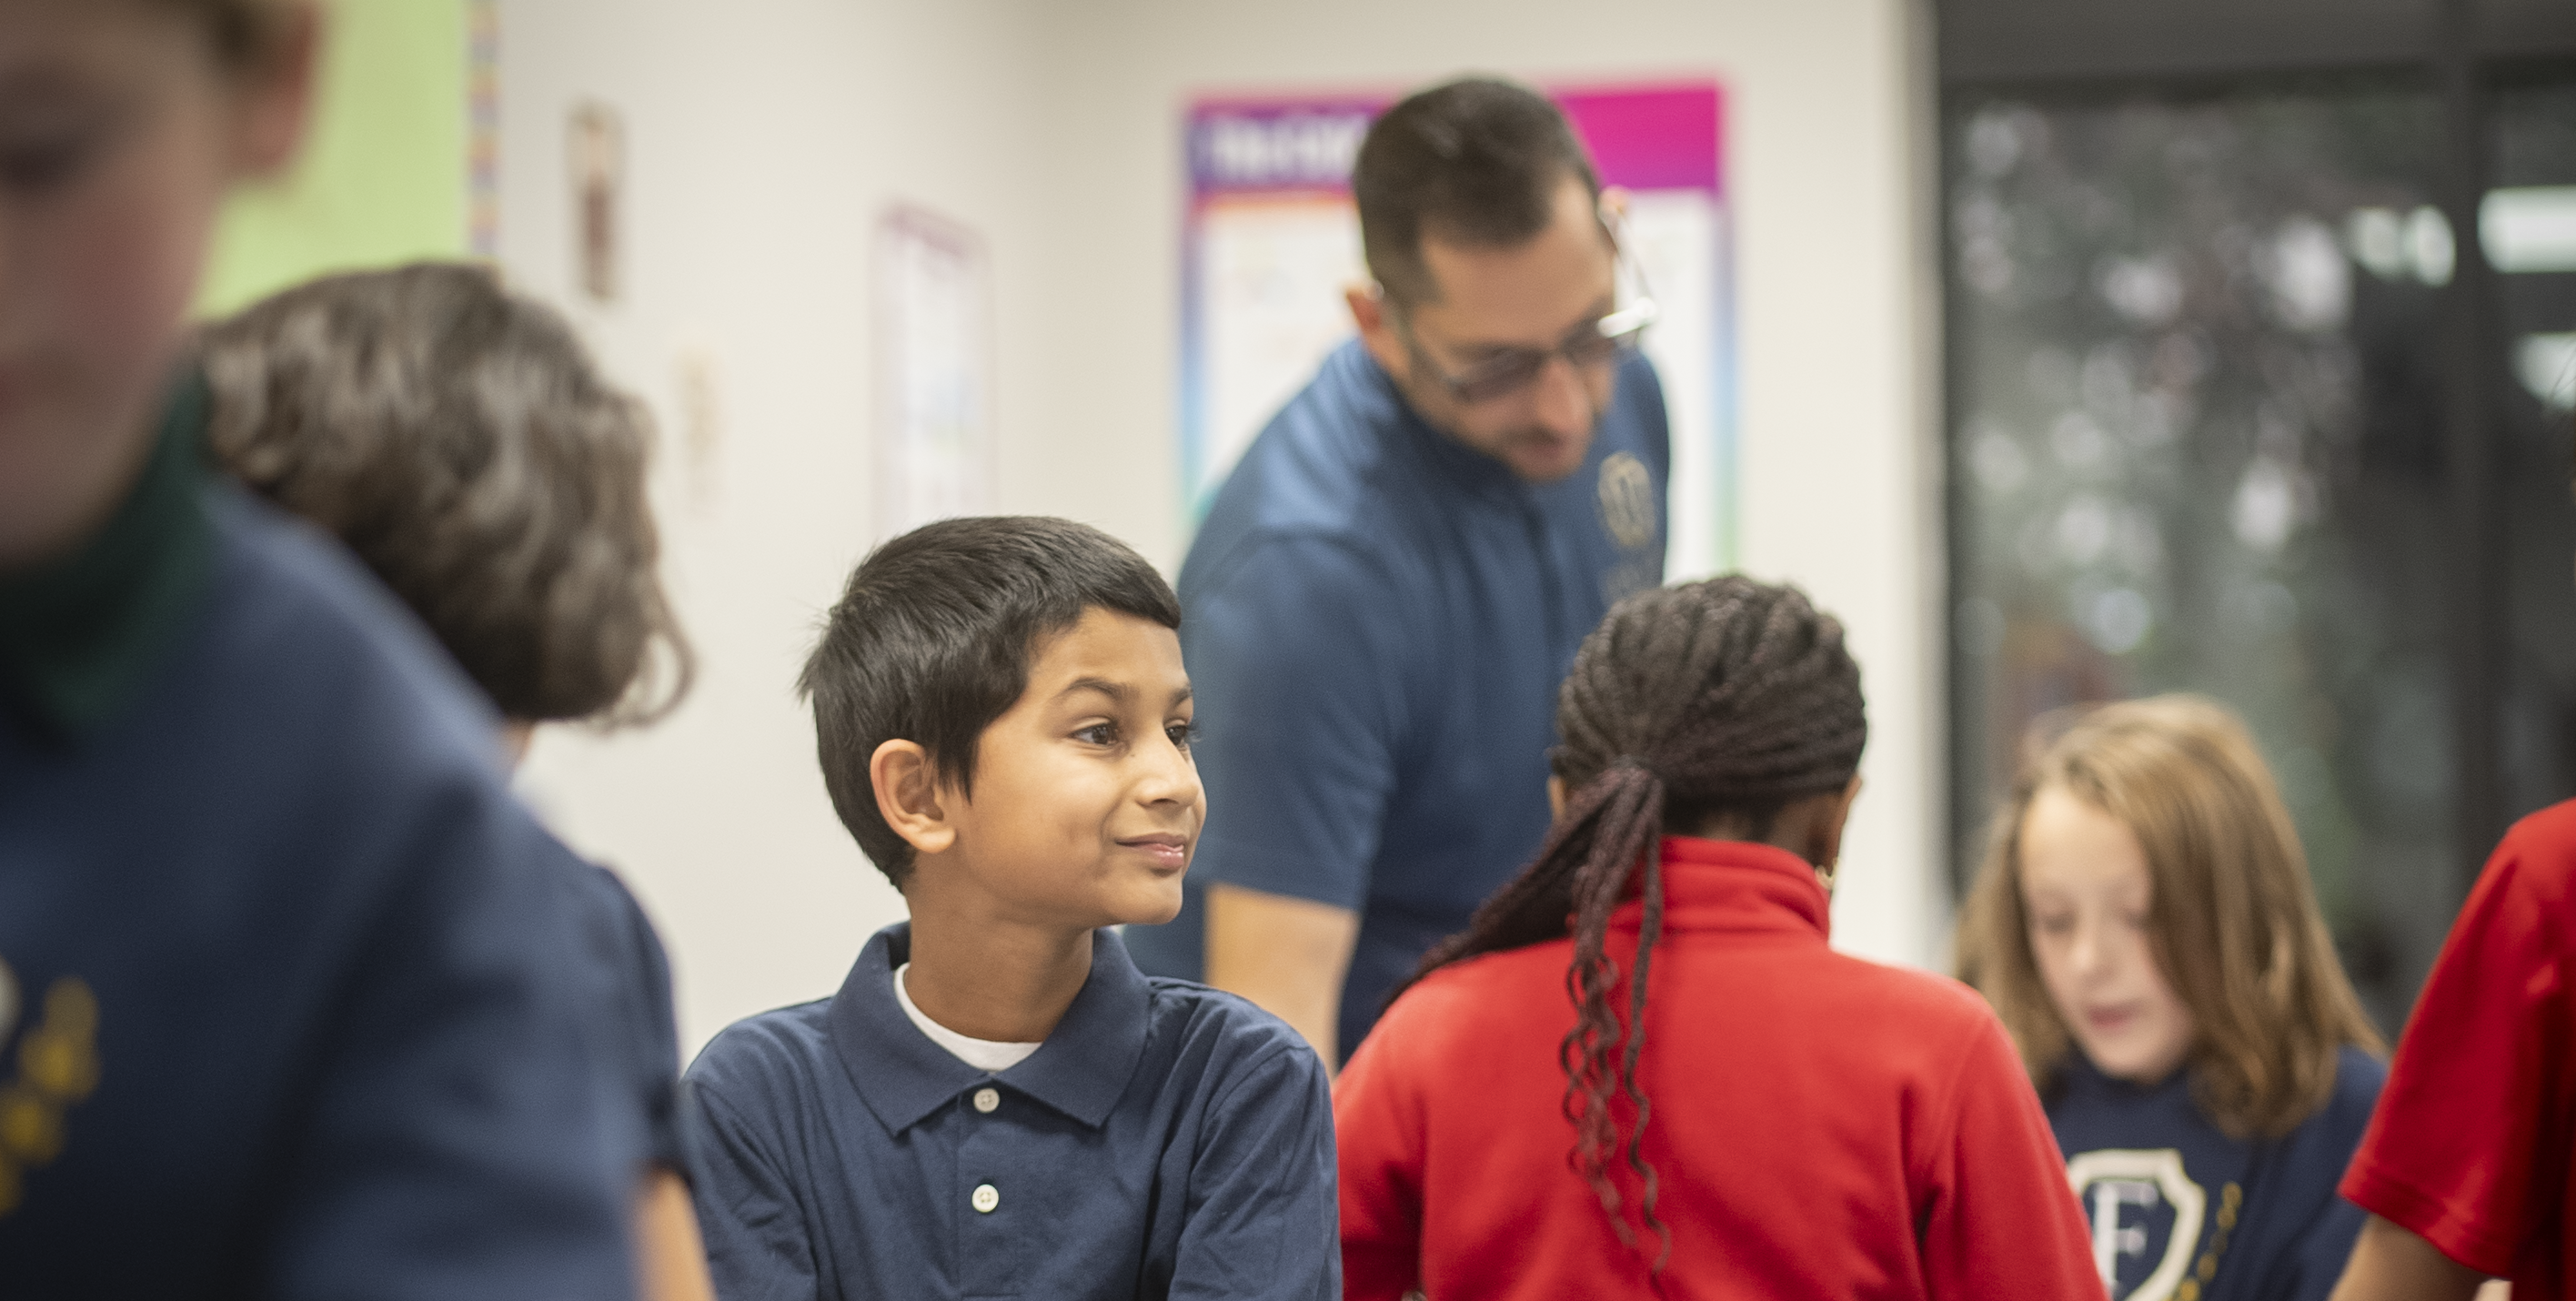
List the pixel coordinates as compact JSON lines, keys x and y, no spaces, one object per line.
{"x":2145,"y":927}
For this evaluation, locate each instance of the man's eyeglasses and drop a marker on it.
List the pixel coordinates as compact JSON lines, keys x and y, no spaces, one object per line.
{"x":1595,"y":343}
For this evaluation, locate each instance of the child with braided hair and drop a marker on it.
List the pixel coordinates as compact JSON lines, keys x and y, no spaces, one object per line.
{"x":1641,"y":1070}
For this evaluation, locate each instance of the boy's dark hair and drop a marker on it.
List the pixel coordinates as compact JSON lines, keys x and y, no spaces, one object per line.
{"x":1475,"y":162}
{"x":459,"y":440}
{"x":932,"y":641}
{"x":1724,"y":699}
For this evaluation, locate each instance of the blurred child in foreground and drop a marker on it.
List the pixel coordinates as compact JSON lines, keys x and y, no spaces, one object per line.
{"x":2469,"y":1170}
{"x":285,"y":993}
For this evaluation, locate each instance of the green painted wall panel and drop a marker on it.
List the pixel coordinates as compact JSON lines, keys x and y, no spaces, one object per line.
{"x":383,"y":176}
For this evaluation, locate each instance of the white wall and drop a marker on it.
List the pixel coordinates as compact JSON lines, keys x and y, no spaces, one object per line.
{"x":763,"y":139}
{"x":762,"y":146}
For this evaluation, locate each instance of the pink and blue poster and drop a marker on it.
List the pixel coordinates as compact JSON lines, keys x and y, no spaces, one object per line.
{"x":1271,"y":241}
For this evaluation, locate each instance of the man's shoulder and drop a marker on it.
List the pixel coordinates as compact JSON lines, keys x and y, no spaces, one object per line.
{"x":1325,"y":467}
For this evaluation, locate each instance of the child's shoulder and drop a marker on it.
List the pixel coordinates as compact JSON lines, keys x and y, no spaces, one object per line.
{"x":1218,"y":1038}
{"x":1194,"y":1012}
{"x":1905,"y":995}
{"x":2543,"y":848}
{"x":2359,"y":1076}
{"x":304,"y":635}
{"x":762,"y":1057}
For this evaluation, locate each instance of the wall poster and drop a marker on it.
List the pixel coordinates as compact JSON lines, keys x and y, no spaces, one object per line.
{"x":1271,"y":240}
{"x":934,"y":372}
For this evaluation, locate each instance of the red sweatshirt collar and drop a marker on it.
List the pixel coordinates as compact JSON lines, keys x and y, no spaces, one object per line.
{"x":1734,"y":886}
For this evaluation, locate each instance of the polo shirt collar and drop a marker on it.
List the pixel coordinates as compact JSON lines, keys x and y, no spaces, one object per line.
{"x":79,"y":635}
{"x":1736,"y":887}
{"x":1081,"y":1070}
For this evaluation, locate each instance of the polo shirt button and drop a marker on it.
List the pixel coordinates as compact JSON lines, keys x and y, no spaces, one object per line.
{"x":986,"y":1198}
{"x":987,"y":1099}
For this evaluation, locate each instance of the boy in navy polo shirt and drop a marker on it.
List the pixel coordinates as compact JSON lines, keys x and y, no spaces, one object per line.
{"x":997,"y":1103}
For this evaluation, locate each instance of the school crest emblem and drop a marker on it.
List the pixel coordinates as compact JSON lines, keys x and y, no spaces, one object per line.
{"x":2146,"y":1215}
{"x":1627,"y":495}
{"x":57,"y":1067}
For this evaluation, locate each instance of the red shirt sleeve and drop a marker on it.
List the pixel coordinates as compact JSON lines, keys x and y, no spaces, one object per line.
{"x":2455,"y":1152}
{"x":1998,"y":1217}
{"x":1377,"y":1122}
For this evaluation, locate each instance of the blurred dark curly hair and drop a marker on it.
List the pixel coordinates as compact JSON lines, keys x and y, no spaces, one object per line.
{"x":459,"y":439}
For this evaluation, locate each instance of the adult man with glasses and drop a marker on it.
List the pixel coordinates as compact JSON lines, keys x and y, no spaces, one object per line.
{"x":1387,"y":590}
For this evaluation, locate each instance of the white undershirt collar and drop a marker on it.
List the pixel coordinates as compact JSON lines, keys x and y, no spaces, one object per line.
{"x":982,"y":1054}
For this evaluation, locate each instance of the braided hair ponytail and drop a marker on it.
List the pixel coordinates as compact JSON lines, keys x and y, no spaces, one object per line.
{"x":1720,"y":699}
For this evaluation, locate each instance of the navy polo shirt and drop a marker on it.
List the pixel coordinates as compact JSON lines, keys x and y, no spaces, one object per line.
{"x":1377,"y":618}
{"x":635,"y":1031}
{"x":2170,"y":1196}
{"x":287,"y":1001}
{"x":1167,"y":1140}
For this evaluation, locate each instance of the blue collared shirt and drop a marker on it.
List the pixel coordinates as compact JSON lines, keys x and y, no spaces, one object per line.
{"x":1167,"y":1140}
{"x":1376,"y":619}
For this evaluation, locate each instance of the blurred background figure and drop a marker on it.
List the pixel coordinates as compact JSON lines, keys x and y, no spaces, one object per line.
{"x":459,"y":441}
{"x":288,"y":994}
{"x":1397,"y":573}
{"x":2145,"y":926}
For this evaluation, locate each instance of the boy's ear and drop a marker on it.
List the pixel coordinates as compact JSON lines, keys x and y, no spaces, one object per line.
{"x":907,"y":787}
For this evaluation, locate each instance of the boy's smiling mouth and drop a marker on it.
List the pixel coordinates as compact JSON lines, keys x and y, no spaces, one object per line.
{"x":1166,"y":849}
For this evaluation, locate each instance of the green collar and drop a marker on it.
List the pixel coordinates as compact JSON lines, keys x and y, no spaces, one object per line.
{"x":79,"y":635}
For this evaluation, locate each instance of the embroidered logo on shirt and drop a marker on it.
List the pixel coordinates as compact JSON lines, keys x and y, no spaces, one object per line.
{"x":57,"y":1061}
{"x":2146,"y":1217}
{"x":1627,"y":500}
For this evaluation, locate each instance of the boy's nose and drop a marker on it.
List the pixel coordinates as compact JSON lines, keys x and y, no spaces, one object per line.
{"x":1171,"y":777}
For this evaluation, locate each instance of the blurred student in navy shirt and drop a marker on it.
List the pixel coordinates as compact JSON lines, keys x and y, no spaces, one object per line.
{"x":2145,"y":927}
{"x":459,"y":440}
{"x":287,"y":1000}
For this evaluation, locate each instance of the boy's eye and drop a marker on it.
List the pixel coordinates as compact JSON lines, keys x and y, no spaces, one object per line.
{"x":1184,"y":735}
{"x":35,"y":161}
{"x":1098,"y":734}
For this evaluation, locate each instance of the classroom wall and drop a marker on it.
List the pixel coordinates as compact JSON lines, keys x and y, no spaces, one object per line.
{"x":761,"y":149}
{"x":762,"y":140}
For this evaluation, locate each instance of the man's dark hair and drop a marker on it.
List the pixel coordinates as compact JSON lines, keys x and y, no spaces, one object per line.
{"x":458,"y":438}
{"x":933,"y":638}
{"x":1475,"y":162}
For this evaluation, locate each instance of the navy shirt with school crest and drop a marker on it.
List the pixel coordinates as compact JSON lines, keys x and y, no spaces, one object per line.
{"x":1376,"y":620}
{"x":1167,"y":1140}
{"x":288,"y":1000}
{"x":2182,"y":1212}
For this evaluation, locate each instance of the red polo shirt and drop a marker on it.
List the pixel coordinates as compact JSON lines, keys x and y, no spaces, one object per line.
{"x":1822,"y":1126}
{"x":2469,"y":1149}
